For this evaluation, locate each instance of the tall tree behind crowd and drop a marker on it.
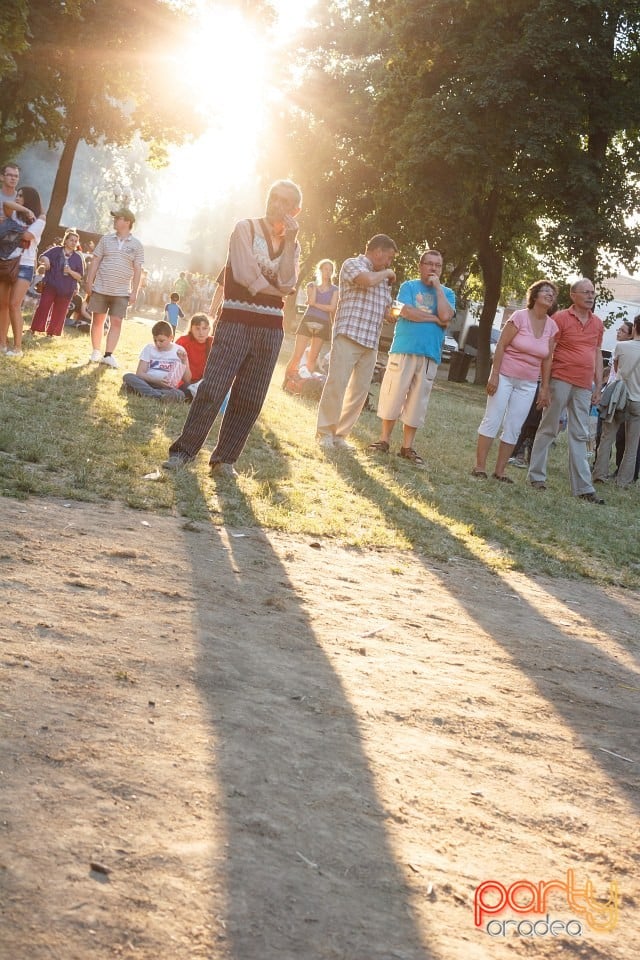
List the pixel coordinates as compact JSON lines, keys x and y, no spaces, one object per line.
{"x":482,"y":127}
{"x":95,"y":71}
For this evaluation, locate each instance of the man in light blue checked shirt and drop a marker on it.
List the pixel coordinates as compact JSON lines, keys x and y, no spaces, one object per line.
{"x":363,"y":304}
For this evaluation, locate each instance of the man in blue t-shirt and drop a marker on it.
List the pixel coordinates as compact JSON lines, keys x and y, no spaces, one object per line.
{"x":427,"y":309}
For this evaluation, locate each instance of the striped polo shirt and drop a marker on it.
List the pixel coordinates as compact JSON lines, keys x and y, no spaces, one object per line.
{"x":118,"y":257}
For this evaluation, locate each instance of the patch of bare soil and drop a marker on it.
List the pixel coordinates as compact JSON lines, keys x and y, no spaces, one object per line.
{"x":236,"y":745}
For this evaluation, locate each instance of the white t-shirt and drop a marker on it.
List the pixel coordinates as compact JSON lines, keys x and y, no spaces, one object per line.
{"x":165,"y":363}
{"x":28,"y":256}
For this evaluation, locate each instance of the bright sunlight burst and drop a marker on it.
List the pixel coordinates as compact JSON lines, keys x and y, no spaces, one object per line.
{"x":226,"y":61}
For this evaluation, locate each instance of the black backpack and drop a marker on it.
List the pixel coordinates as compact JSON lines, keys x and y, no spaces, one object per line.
{"x":10,"y":236}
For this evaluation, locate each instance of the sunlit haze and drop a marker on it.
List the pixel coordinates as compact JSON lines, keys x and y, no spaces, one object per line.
{"x":227,"y":67}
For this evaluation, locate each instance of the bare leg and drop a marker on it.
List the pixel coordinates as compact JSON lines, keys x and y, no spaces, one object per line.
{"x":97,"y":329}
{"x":301,"y":345}
{"x":387,"y":430}
{"x":408,"y":436}
{"x":5,"y":291}
{"x":314,"y":350}
{"x":18,"y":291}
{"x":482,"y":452}
{"x":504,"y":452}
{"x":115,"y":326}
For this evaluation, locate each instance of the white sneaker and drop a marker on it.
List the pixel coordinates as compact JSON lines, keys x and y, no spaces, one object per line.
{"x":13,"y":353}
{"x":341,"y":444}
{"x":110,"y":362}
{"x":96,"y":356}
{"x":325,"y":441}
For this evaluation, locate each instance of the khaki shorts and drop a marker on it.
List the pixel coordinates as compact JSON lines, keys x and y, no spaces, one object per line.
{"x":406,"y":388}
{"x":103,"y":303}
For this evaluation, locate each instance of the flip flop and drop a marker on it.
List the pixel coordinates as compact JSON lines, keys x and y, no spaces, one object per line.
{"x":501,"y":479}
{"x":479,"y":474}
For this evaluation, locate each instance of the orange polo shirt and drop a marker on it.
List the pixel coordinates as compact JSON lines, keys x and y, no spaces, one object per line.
{"x":574,"y":358}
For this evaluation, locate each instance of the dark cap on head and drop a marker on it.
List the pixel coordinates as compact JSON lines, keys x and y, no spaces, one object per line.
{"x":125,"y":214}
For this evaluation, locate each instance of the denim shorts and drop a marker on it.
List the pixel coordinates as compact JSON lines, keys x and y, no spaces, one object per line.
{"x":26,"y":272}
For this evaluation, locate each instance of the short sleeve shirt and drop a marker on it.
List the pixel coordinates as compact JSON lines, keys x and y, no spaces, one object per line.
{"x":164,"y":363}
{"x":627,"y":353}
{"x":574,"y":357}
{"x":118,"y":258}
{"x":360,"y":311}
{"x":420,"y":339}
{"x":524,"y":355}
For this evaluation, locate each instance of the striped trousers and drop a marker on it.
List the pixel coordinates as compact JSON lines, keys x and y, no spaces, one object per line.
{"x":242,"y":358}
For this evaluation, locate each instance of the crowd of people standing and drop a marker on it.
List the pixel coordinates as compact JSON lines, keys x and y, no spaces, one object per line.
{"x":545,"y":358}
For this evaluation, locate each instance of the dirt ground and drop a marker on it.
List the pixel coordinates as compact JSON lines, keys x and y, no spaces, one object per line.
{"x":236,"y":745}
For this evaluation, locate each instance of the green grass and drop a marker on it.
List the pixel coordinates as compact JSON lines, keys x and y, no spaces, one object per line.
{"x":65,"y":431}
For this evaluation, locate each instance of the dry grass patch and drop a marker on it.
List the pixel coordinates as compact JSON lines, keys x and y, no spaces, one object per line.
{"x":66,"y":431}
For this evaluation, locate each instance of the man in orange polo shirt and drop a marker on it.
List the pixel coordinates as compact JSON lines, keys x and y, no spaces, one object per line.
{"x":571,"y":378}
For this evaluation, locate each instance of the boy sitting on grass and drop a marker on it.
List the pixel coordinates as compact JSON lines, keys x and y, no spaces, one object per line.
{"x":162,"y":367}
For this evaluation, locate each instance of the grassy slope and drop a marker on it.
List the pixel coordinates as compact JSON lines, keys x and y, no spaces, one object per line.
{"x":66,"y":431}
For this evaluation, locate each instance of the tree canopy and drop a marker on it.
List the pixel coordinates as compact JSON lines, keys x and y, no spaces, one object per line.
{"x":94,"y":70}
{"x":492,"y":129}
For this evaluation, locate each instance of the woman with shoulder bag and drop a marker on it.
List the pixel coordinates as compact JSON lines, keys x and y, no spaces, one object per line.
{"x":27,"y":207}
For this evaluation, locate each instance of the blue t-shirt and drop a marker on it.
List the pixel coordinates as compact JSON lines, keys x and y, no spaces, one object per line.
{"x":173,"y":313}
{"x":422,"y":339}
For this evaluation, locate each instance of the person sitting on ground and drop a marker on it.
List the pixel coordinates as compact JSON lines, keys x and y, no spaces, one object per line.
{"x":78,"y":315}
{"x":527,"y":338}
{"x":315,"y":327}
{"x":172,"y":312}
{"x":162,"y":367}
{"x":197,"y":344}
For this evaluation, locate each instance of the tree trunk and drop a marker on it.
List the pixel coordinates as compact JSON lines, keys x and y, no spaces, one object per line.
{"x":491,"y":263}
{"x":60,"y":190}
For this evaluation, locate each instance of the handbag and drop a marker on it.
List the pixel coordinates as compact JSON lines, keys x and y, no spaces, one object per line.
{"x":9,"y":270}
{"x":11,"y":231}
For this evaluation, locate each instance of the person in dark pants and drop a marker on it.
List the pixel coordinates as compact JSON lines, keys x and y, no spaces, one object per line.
{"x":261,"y":269}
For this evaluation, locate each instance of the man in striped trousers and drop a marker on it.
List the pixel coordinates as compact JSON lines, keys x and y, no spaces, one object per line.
{"x":261,"y":269}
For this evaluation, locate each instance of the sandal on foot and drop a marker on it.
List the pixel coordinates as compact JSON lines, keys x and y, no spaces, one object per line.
{"x":502,"y":479}
{"x":380,"y":446}
{"x":479,"y":474}
{"x":408,"y":453}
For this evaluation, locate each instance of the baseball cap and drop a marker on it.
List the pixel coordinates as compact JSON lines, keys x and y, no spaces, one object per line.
{"x":125,"y":214}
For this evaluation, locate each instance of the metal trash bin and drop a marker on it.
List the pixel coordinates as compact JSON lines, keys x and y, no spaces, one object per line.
{"x":459,"y":367}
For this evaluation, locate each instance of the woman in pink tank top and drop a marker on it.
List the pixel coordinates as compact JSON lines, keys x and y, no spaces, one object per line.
{"x":526,"y":340}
